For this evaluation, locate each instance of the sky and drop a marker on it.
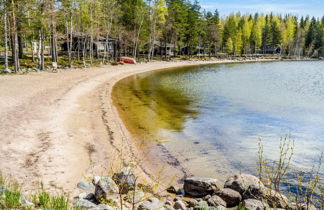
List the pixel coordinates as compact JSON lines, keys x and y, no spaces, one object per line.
{"x":296,"y":7}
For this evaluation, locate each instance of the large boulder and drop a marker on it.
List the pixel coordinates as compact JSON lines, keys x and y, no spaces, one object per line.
{"x":241,"y":182}
{"x":252,"y":204}
{"x":231,"y":197}
{"x":151,"y":204}
{"x":200,"y":187}
{"x":125,"y":180}
{"x":216,"y":201}
{"x":104,"y":188}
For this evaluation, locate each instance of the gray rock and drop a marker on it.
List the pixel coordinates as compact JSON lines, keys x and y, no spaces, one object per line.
{"x":231,"y":197}
{"x":253,"y":192}
{"x":84,"y":204}
{"x":125,"y":180}
{"x":275,"y":199}
{"x":252,"y":204}
{"x":169,"y":203}
{"x":2,"y":189}
{"x":302,"y":206}
{"x":192,"y":203}
{"x":24,"y":202}
{"x":180,"y":192}
{"x":151,"y":204}
{"x":104,"y":207}
{"x":85,"y":186}
{"x":81,"y":196}
{"x":241,"y":182}
{"x":216,"y":201}
{"x":179,"y":205}
{"x":138,"y":196}
{"x":96,"y":179}
{"x":104,"y":188}
{"x":201,"y":205}
{"x":7,"y":71}
{"x":200,"y":187}
{"x":171,"y":189}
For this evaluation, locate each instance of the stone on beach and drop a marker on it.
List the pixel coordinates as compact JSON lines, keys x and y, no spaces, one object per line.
{"x":84,"y":204}
{"x":231,"y":197}
{"x":216,"y":201}
{"x":104,"y":188}
{"x":200,"y":187}
{"x":241,"y":182}
{"x":83,"y":185}
{"x":252,"y":204}
{"x":151,"y":204}
{"x":125,"y":179}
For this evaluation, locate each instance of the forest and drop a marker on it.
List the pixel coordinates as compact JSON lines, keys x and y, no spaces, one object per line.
{"x":41,"y":33}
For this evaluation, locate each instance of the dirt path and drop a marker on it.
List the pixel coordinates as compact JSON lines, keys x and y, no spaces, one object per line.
{"x":60,"y":128}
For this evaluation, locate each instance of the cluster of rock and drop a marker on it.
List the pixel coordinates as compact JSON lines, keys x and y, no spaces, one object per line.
{"x":197,"y":193}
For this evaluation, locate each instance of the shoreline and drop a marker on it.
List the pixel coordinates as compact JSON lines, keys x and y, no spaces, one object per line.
{"x":67,"y":127}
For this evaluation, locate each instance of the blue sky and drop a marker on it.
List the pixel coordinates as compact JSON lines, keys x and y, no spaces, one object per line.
{"x":298,"y":7}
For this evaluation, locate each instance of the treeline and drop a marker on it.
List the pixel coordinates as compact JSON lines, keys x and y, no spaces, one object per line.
{"x":56,"y":29}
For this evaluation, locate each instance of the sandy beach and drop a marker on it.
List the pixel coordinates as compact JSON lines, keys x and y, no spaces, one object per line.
{"x":60,"y":128}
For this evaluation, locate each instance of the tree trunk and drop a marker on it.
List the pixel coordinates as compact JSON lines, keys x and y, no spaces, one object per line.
{"x":5,"y":37}
{"x":14,"y":37}
{"x":53,"y":38}
{"x":41,"y":64}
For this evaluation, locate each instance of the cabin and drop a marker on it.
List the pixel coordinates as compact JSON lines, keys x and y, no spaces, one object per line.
{"x":270,"y":49}
{"x":81,"y":41}
{"x":161,"y":48}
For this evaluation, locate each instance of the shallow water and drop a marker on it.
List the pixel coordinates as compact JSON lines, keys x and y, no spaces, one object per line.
{"x":211,"y":117}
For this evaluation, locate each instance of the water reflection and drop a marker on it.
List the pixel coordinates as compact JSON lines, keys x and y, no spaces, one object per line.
{"x":215,"y":114}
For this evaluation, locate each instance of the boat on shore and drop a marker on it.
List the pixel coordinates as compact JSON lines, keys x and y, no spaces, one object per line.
{"x":127,"y":60}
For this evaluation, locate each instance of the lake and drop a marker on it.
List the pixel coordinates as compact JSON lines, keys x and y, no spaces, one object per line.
{"x":211,"y":117}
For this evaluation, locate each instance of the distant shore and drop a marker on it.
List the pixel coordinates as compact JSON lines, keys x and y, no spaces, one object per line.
{"x":61,"y":127}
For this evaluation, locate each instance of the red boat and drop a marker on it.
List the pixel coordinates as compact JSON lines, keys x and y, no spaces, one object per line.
{"x":127,"y":60}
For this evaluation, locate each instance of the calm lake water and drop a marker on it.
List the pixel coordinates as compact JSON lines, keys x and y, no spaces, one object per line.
{"x":211,"y":117}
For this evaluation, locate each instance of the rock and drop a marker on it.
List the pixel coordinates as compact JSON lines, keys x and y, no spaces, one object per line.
{"x":24,"y":202}
{"x":125,"y":180}
{"x":172,"y":190}
{"x":96,"y":179}
{"x":81,"y":196}
{"x":253,"y":192}
{"x":200,"y":187}
{"x":216,"y":201}
{"x":90,"y":196}
{"x":2,"y":189}
{"x":151,"y":204}
{"x":7,"y":71}
{"x":85,"y":186}
{"x":105,"y":187}
{"x":192,"y":203}
{"x":104,"y":207}
{"x":169,"y":203}
{"x":275,"y":199}
{"x":139,"y":196}
{"x":231,"y":197}
{"x":252,"y":204}
{"x":201,"y":205}
{"x":180,"y":192}
{"x":206,"y":198}
{"x":241,"y":182}
{"x":84,"y":204}
{"x":301,"y":206}
{"x":179,"y":205}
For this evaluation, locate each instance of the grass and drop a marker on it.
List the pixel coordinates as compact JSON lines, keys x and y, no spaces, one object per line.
{"x":11,"y":197}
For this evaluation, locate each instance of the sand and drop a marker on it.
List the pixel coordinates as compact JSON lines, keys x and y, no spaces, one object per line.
{"x":61,"y":128}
